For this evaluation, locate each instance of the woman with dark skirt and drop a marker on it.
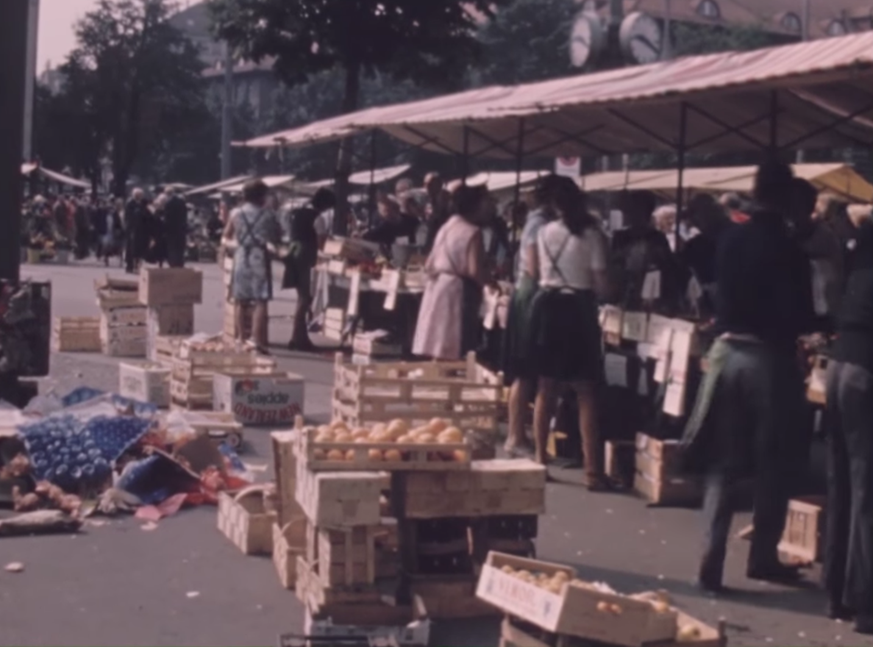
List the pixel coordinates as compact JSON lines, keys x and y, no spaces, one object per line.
{"x":848,"y":572}
{"x":517,"y":370}
{"x":565,"y":335}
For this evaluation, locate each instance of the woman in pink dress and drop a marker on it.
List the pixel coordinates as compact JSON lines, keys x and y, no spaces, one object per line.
{"x":448,"y":321}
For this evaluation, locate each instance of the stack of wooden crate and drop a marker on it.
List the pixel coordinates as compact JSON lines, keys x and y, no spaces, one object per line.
{"x":170,"y":295}
{"x":122,"y":318}
{"x":76,"y":335}
{"x":659,"y":478}
{"x":195,"y":364}
{"x":416,"y":392}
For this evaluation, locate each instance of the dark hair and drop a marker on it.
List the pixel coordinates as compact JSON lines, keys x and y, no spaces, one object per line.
{"x":255,"y":192}
{"x":545,"y":188}
{"x":466,"y":200}
{"x":772,"y":182}
{"x":572,"y":206}
{"x":803,"y":199}
{"x":323,"y":200}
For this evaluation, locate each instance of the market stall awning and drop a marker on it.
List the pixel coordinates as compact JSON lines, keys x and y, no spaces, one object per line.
{"x":809,"y":95}
{"x":272,"y":181}
{"x":218,"y":186}
{"x":841,"y":179}
{"x":498,"y":181}
{"x":54,"y":176}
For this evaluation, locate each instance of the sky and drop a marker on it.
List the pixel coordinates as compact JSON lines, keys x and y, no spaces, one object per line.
{"x":56,"y":21}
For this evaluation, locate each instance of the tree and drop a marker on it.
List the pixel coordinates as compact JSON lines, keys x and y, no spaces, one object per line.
{"x":137,"y":79}
{"x":428,"y":42}
{"x":526,"y":42}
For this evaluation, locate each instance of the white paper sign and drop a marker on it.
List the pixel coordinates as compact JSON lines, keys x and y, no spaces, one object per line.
{"x":634,"y":326}
{"x":612,"y":320}
{"x":354,"y":294}
{"x":674,"y":400}
{"x":680,"y":353}
{"x":492,"y":300}
{"x":616,"y":370}
{"x":652,"y":286}
{"x":659,"y":332}
{"x":393,"y":288}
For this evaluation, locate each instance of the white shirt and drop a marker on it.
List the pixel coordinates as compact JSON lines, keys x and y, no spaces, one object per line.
{"x":574,"y":265}
{"x":324,"y":223}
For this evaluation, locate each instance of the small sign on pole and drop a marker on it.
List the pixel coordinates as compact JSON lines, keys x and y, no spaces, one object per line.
{"x":569,"y":167}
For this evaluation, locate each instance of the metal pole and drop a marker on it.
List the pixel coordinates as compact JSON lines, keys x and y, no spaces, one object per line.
{"x":805,"y":21}
{"x":519,"y":158}
{"x":372,"y":190}
{"x":30,"y":77}
{"x":13,"y":53}
{"x":680,"y":168}
{"x":227,"y":115}
{"x":774,"y":121}
{"x":465,"y":156}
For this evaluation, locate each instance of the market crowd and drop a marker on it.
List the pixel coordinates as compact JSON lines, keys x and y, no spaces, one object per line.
{"x":772,"y":279}
{"x":138,"y":230}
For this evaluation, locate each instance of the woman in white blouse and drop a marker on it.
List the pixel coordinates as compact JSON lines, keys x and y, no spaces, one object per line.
{"x":565,"y":335}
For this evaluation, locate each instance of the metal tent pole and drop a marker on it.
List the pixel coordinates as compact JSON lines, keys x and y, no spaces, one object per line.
{"x":680,"y":167}
{"x":465,"y":156}
{"x":519,"y":158}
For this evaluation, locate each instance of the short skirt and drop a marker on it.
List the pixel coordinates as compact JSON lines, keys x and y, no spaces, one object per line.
{"x":565,"y":340}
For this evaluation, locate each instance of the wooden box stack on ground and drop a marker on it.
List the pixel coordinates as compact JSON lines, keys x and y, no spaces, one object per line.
{"x":804,"y":530}
{"x":194,"y":367}
{"x":334,"y":323}
{"x":659,"y":478}
{"x":145,"y":382}
{"x":289,"y":543}
{"x":123,"y":331}
{"x":76,"y":335}
{"x":177,"y":320}
{"x":416,"y":392}
{"x":170,"y":287}
{"x":163,"y":348}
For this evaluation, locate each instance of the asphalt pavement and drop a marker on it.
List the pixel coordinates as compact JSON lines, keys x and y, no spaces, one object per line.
{"x":185,"y":584}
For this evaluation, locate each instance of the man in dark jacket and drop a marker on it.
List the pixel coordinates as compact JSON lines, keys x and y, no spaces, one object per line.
{"x":175,"y":228}
{"x":750,"y":406}
{"x":135,"y":214}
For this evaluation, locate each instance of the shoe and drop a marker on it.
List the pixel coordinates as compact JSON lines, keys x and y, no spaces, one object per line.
{"x":599,"y":483}
{"x":706,"y":585}
{"x":774,"y":573}
{"x":864,"y":625}
{"x":839,"y":611}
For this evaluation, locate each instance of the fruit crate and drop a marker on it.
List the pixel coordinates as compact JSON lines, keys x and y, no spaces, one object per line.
{"x":570,"y":607}
{"x":76,"y":335}
{"x":381,"y":456}
{"x":417,"y":392}
{"x":192,"y":385}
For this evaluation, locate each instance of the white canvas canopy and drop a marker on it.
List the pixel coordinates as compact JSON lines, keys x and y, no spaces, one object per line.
{"x":54,"y":176}
{"x":840,"y":179}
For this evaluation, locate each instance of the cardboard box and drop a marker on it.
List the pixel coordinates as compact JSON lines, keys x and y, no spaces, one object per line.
{"x":575,"y":610}
{"x":171,"y":286}
{"x":145,"y":382}
{"x":259,"y":399}
{"x":171,"y":320}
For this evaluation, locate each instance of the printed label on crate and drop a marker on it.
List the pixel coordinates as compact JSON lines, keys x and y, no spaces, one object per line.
{"x":258,"y":400}
{"x":519,"y":598}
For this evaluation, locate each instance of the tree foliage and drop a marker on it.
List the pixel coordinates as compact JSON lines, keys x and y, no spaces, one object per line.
{"x":136,"y":80}
{"x":527,"y":41}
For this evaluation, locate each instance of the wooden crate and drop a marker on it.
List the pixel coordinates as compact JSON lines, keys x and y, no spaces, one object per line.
{"x":76,"y":335}
{"x":417,"y":392}
{"x":163,"y":348}
{"x":514,"y":633}
{"x":372,"y":624}
{"x":510,"y":534}
{"x":192,"y":385}
{"x":370,"y":456}
{"x":170,"y":286}
{"x":576,"y":610}
{"x":342,"y":557}
{"x":129,"y":348}
{"x":117,"y":293}
{"x":124,"y":316}
{"x":659,"y":478}
{"x":312,"y":591}
{"x":171,"y":320}
{"x":803,"y":538}
{"x":145,"y":382}
{"x":340,"y":499}
{"x":285,"y":470}
{"x":242,"y":518}
{"x":334,"y":323}
{"x":490,"y":488}
{"x":288,"y":545}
